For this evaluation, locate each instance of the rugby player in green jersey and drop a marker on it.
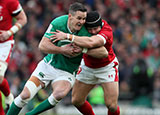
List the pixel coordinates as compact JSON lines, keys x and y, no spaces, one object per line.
{"x":61,"y":63}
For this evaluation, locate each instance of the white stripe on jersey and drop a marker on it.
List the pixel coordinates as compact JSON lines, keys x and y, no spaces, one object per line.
{"x":49,"y":29}
{"x":102,"y":38}
{"x":18,"y":9}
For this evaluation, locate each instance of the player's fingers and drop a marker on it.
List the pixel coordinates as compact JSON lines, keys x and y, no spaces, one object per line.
{"x":55,"y":40}
{"x":1,"y":37}
{"x":53,"y":36}
{"x":52,"y":39}
{"x":53,"y":32}
{"x":1,"y":31}
{"x":76,"y":51}
{"x":58,"y":31}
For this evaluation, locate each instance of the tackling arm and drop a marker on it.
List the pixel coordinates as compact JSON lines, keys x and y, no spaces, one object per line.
{"x":87,"y":42}
{"x":100,"y":52}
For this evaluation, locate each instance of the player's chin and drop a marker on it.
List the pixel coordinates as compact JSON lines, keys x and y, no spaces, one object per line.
{"x":78,"y":28}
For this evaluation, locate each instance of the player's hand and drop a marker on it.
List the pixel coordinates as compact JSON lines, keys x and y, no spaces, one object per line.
{"x":58,"y":35}
{"x":77,"y":49}
{"x":3,"y":35}
{"x":68,"y":51}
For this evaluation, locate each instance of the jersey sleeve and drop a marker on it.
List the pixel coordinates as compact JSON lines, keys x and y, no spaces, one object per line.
{"x":51,"y":28}
{"x":106,"y":34}
{"x":14,"y":7}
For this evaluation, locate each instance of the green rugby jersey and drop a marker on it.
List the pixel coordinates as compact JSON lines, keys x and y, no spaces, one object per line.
{"x":58,"y":60}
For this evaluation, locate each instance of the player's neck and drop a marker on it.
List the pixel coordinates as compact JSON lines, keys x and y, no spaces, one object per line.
{"x":70,"y":28}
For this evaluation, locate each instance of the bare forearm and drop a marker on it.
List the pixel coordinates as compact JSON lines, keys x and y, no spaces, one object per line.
{"x":100,"y":52}
{"x":21,"y":18}
{"x":88,"y":42}
{"x":46,"y":46}
{"x":84,"y":42}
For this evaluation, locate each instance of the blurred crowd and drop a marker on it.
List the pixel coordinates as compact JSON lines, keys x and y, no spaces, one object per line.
{"x":136,"y":29}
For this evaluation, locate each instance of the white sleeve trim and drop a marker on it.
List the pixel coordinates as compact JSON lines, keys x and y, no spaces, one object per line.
{"x":18,"y":9}
{"x":102,"y":38}
{"x":49,"y":28}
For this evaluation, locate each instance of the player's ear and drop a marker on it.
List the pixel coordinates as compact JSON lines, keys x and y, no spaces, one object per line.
{"x":69,"y":15}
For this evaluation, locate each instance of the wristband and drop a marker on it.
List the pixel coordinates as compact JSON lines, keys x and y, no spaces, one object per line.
{"x":84,"y":50}
{"x":72,"y":38}
{"x":10,"y":32}
{"x":14,"y":29}
{"x":68,"y":36}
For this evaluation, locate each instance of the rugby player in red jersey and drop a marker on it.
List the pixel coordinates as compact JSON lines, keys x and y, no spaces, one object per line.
{"x":9,"y":9}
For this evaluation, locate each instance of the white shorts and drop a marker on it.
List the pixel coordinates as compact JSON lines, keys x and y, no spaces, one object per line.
{"x":6,"y":50}
{"x":108,"y":73}
{"x":47,"y":73}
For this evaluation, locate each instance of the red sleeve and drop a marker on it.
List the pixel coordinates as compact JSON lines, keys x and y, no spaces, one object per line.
{"x":12,"y":5}
{"x":106,"y":32}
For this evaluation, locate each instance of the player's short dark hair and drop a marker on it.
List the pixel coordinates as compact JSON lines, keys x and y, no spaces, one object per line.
{"x":93,"y":19}
{"x":77,"y":7}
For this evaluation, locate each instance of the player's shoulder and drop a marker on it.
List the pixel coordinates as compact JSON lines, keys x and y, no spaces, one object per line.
{"x":106,"y":25}
{"x":11,"y":1}
{"x":60,"y":20}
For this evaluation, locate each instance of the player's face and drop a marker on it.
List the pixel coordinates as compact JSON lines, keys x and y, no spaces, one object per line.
{"x":77,"y":20}
{"x":94,"y":30}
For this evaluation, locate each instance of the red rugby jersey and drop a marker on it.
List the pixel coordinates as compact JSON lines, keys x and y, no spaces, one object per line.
{"x":107,"y":34}
{"x":8,"y":8}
